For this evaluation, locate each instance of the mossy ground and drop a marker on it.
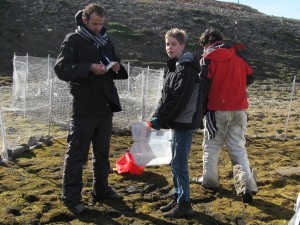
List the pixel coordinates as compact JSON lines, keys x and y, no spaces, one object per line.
{"x":30,"y":188}
{"x":30,"y":184}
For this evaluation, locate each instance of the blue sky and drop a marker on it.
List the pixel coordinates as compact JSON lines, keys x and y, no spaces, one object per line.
{"x":282,"y":8}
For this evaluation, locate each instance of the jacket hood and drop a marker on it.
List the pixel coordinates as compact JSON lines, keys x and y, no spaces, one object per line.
{"x":78,"y":18}
{"x":186,"y":57}
{"x":189,"y":57}
{"x":219,"y":51}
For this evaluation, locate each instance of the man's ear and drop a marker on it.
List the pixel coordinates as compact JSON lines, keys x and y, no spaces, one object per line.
{"x":84,"y":20}
{"x":182,"y":47}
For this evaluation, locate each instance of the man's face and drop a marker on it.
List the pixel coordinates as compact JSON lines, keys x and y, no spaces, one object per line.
{"x":95,"y":23}
{"x":173,"y":47}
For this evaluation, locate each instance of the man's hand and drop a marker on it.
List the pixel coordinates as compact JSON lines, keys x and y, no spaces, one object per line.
{"x":98,"y":69}
{"x":116,"y":67}
{"x":154,"y":123}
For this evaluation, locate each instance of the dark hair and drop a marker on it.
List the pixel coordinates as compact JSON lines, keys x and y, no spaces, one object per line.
{"x":209,"y":36}
{"x":93,"y":8}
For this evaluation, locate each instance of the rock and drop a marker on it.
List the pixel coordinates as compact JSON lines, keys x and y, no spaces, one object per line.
{"x":47,"y":140}
{"x":17,"y":150}
{"x":280,"y":131}
{"x":132,"y":189}
{"x":32,"y":141}
{"x":288,"y":171}
{"x":148,"y":188}
{"x":297,"y":137}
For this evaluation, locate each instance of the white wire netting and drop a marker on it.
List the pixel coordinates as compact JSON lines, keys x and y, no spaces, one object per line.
{"x":39,"y":104}
{"x":140,"y":98}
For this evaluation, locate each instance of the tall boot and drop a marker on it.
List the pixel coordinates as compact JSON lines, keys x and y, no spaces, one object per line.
{"x":247,"y":196}
{"x":182,"y":209}
{"x":170,"y":205}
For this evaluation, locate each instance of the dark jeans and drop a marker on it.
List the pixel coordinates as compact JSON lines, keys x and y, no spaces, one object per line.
{"x":84,"y":131}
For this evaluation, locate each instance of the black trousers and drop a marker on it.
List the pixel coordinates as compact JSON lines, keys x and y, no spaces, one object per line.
{"x":87,"y":130}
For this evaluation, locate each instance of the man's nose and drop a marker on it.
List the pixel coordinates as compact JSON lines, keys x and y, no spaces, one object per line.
{"x":99,"y":28}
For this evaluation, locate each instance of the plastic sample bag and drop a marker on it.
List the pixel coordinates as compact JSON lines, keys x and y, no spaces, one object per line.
{"x":151,"y":147}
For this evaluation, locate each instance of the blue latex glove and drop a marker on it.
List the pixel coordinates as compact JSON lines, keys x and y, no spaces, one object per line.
{"x":155,"y":124}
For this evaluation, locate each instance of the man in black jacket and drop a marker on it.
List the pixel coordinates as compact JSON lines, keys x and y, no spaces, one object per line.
{"x":89,"y":63}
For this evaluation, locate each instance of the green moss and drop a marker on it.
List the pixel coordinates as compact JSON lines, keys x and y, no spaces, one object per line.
{"x":52,"y":12}
{"x":123,"y":31}
{"x":35,"y":192}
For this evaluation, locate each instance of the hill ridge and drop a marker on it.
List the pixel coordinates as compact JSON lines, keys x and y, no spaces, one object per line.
{"x":137,"y":28}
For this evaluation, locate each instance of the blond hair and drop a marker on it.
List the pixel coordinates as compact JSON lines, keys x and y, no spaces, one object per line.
{"x":180,"y":35}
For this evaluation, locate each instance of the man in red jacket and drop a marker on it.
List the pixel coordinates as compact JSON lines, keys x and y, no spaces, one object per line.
{"x":226,"y":118}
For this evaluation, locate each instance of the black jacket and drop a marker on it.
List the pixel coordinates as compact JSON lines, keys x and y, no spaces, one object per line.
{"x":182,"y":103}
{"x":93,"y":94}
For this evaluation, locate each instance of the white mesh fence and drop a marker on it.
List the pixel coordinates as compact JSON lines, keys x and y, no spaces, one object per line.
{"x":140,"y":97}
{"x":39,"y":104}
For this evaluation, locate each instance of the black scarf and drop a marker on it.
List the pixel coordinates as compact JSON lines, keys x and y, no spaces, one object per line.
{"x":98,"y":40}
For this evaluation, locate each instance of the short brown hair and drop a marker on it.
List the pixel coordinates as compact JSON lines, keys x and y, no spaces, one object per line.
{"x":180,"y":35}
{"x":93,"y":8}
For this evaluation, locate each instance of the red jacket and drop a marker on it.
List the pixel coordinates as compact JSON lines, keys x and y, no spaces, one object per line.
{"x":228,"y":72}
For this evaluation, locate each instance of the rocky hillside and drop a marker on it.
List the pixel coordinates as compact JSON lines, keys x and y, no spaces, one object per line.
{"x":137,"y":28}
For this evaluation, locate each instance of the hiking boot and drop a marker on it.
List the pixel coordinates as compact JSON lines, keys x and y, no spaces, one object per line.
{"x":76,"y":208}
{"x":111,"y":194}
{"x":182,"y":209}
{"x":247,"y":196}
{"x":170,"y":205}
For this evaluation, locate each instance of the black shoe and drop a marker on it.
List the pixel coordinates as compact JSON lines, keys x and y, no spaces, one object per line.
{"x":182,"y":209}
{"x":247,"y":196}
{"x":76,"y":208}
{"x":111,"y":194}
